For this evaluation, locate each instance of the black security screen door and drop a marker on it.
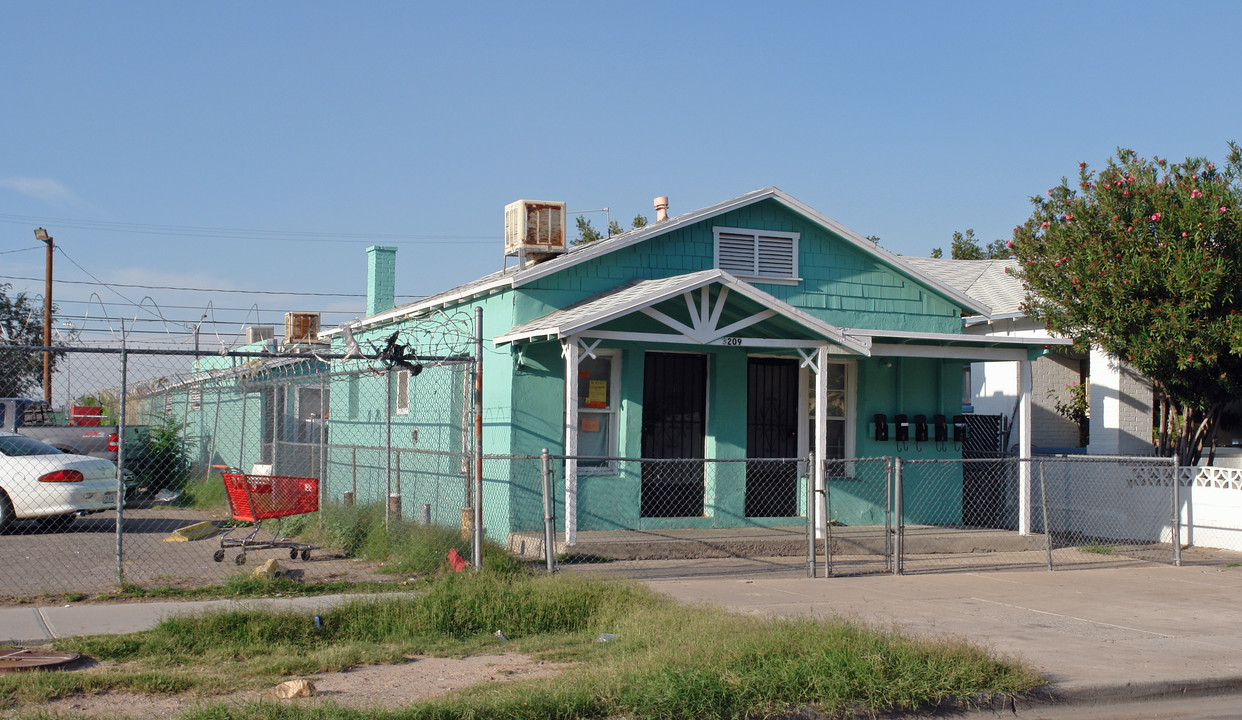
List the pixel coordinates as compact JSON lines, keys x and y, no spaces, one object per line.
{"x":772,"y":432}
{"x":674,"y":427}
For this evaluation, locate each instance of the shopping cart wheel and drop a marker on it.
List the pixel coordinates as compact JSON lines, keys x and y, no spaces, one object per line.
{"x":306,"y":554}
{"x":293,"y":553}
{"x":240,"y":559}
{"x":218,"y":555}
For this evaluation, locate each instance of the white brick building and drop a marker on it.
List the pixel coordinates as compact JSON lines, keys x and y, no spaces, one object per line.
{"x":1120,"y":400}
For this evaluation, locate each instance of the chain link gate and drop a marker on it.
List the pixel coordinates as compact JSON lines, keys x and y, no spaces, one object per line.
{"x":659,"y":517}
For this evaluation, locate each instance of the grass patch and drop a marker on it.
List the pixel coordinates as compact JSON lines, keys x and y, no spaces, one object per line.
{"x":1099,"y":549}
{"x":667,"y":661}
{"x":204,"y":493}
{"x":402,"y":547}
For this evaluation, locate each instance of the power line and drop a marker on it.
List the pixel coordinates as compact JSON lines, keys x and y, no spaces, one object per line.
{"x":246,"y":233}
{"x":190,"y":289}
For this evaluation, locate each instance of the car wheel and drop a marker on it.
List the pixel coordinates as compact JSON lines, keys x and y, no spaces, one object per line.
{"x":6,"y":512}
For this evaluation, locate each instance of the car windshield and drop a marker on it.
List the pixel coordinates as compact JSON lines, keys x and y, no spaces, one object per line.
{"x":18,"y":446}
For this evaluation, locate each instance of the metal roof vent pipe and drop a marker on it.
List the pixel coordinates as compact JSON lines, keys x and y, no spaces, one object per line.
{"x":661,"y":208}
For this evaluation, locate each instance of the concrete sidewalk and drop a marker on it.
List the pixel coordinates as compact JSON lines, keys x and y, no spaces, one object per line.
{"x":1098,"y":634}
{"x":37,"y":625}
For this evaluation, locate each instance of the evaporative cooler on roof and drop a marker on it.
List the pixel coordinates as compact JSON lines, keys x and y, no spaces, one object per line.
{"x":535,"y":228}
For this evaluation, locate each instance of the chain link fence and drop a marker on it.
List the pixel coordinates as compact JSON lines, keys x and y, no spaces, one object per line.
{"x":165,"y":468}
{"x":332,"y":448}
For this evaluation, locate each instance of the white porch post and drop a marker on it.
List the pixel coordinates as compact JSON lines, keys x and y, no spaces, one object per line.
{"x":821,"y":439}
{"x":569,"y":348}
{"x":1024,"y":438}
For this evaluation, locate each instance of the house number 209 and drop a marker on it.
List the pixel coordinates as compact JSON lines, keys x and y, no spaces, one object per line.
{"x":733,"y":341}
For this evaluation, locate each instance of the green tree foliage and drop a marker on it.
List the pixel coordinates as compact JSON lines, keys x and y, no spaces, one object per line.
{"x":21,"y":323}
{"x":588,"y":234}
{"x":1142,"y":259}
{"x":966,"y":247}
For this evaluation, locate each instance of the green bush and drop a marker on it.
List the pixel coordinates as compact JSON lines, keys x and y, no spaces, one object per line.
{"x":160,"y":460}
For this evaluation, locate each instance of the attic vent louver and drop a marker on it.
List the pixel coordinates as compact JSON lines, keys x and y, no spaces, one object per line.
{"x":757,"y":253}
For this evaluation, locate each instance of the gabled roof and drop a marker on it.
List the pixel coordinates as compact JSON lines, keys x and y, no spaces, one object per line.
{"x":986,"y":280}
{"x":635,"y":297}
{"x":633,"y":237}
{"x":518,"y":276}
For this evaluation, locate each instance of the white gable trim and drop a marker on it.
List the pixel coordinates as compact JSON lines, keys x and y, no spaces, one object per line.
{"x":558,"y":324}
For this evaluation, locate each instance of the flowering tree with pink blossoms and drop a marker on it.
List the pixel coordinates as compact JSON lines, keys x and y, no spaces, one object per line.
{"x":1143,"y":259}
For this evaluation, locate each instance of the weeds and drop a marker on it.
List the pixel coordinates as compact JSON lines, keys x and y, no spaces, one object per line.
{"x":667,"y":661}
{"x":1099,"y":549}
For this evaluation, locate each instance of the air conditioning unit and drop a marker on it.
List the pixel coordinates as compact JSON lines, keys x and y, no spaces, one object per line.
{"x":534,"y":226}
{"x":259,"y":333}
{"x":301,"y":328}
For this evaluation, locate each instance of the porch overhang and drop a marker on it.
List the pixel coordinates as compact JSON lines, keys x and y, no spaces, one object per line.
{"x":718,"y":309}
{"x":955,"y":346}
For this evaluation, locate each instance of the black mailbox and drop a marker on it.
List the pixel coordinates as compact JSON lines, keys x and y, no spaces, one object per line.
{"x":881,"y":427}
{"x":940,"y":428}
{"x":902,"y":425}
{"x":959,"y":428}
{"x":920,"y":428}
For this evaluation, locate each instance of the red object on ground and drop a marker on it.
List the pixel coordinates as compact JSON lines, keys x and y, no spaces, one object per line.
{"x":457,"y":562}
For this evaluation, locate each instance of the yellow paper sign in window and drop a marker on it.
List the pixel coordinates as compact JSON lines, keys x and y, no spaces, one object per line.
{"x":597,"y":394}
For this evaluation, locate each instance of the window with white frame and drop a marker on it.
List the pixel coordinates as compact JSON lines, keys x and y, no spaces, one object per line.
{"x":401,"y":393}
{"x":835,"y":413}
{"x":598,"y":398}
{"x":764,"y":254}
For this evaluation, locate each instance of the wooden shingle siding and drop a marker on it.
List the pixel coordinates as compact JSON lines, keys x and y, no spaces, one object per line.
{"x":840,"y":283}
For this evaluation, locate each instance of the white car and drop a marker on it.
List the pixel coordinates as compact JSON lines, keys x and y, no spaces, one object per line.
{"x":38,"y":481}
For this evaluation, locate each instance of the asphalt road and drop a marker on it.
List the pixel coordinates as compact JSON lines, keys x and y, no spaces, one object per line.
{"x":1207,"y":707}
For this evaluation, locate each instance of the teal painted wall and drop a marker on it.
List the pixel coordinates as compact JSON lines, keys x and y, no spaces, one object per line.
{"x":908,"y":386}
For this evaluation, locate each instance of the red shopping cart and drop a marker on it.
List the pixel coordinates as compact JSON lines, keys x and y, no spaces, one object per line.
{"x":255,"y":498}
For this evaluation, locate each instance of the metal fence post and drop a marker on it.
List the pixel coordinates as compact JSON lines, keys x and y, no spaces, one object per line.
{"x":898,"y":550}
{"x":888,"y":514}
{"x":1043,"y":502}
{"x":811,"y":508}
{"x":549,"y":516}
{"x":1177,"y":512}
{"x":388,"y":448}
{"x":478,"y":439}
{"x":827,"y":522}
{"x":120,"y":466}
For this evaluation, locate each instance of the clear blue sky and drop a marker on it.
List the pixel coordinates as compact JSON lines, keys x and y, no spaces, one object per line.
{"x":263,"y":146}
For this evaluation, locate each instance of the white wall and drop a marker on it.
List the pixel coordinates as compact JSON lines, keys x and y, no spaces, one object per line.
{"x":1120,"y":399}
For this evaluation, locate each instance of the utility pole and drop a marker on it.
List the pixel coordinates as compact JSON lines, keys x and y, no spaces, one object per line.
{"x":41,"y":234}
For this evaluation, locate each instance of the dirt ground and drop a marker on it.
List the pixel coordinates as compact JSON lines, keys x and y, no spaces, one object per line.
{"x":382,"y":686}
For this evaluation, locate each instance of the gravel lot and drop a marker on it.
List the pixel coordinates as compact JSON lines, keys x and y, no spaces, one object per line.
{"x":82,"y":556}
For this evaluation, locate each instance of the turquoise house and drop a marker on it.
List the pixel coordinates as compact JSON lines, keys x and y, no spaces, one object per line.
{"x":756,"y":329}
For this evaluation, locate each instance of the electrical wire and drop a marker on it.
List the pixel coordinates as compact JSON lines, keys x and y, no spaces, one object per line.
{"x":244,"y":233}
{"x":193,"y":289}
